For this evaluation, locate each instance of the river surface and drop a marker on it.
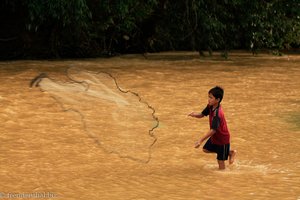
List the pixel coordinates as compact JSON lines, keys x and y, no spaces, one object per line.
{"x":44,"y":149}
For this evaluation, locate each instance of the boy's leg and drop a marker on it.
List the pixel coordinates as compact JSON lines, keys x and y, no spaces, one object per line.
{"x":222,"y":155}
{"x":221,"y":164}
{"x":232,"y":155}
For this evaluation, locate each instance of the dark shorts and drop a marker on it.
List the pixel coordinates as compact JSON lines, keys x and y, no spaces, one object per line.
{"x":221,"y":150}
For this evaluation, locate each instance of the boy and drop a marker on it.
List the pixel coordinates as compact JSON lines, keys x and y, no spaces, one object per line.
{"x":219,"y":137}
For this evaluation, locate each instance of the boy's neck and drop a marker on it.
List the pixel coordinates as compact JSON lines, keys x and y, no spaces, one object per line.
{"x":215,"y":106}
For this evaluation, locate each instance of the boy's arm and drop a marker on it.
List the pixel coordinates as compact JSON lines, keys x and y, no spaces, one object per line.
{"x":205,"y":112}
{"x":207,"y":135}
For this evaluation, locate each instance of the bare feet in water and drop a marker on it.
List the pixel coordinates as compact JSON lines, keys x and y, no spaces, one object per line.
{"x":232,"y":155}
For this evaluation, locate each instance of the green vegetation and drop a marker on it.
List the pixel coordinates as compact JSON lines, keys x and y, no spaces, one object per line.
{"x":90,"y":28}
{"x":294,"y":120}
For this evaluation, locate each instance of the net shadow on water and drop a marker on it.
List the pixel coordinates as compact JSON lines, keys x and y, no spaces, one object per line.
{"x":116,"y":119}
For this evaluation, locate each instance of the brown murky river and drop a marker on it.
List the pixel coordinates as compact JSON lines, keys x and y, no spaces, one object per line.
{"x":47,"y":149}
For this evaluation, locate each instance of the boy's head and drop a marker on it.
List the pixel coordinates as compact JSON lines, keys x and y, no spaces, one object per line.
{"x":217,"y":92}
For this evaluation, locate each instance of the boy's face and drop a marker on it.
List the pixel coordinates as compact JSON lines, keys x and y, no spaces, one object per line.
{"x":212,"y":101}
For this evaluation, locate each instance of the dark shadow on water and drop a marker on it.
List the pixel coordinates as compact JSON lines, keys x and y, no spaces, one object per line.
{"x":238,"y":58}
{"x":175,"y":56}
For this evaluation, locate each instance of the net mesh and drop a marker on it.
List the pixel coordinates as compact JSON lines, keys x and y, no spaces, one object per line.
{"x":118,"y":120}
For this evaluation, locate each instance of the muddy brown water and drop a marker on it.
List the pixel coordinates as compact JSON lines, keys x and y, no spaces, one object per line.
{"x":44,"y":149}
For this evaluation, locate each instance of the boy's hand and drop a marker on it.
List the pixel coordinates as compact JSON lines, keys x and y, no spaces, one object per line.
{"x":198,"y":144}
{"x":193,"y":114}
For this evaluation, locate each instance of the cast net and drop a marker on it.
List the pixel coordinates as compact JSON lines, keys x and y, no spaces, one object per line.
{"x":118,"y":120}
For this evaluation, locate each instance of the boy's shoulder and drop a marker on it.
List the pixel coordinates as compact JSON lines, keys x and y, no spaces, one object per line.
{"x":220,"y":111}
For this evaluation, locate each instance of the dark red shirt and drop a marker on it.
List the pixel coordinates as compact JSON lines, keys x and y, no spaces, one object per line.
{"x":218,"y":123}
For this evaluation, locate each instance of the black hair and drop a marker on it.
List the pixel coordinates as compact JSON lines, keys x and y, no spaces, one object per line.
{"x":217,"y":92}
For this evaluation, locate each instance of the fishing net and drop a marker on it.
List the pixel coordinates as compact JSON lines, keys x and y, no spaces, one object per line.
{"x":118,"y":120}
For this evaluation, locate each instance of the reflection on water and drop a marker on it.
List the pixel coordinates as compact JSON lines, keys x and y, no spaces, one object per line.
{"x":43,"y":149}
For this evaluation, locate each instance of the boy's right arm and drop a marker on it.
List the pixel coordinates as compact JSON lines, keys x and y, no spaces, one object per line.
{"x":205,"y":112}
{"x":196,"y":114}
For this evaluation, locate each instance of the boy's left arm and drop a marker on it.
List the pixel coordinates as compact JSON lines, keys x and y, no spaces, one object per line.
{"x":207,"y":135}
